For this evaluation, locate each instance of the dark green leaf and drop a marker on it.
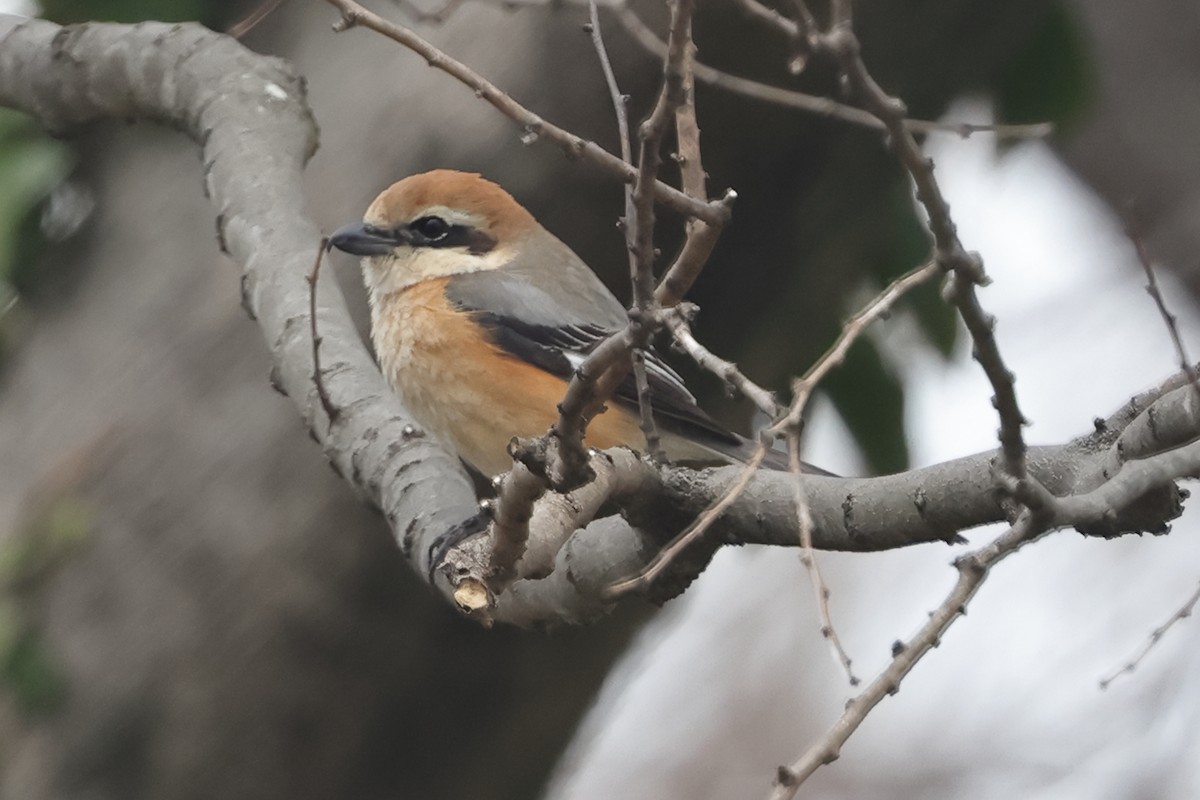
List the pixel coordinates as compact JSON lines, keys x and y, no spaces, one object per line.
{"x":1052,"y":79}
{"x":871,"y":401}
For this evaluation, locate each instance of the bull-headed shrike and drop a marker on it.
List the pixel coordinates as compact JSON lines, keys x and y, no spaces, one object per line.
{"x":480,"y":317}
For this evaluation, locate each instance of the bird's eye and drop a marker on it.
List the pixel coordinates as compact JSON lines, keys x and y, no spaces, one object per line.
{"x":431,"y":228}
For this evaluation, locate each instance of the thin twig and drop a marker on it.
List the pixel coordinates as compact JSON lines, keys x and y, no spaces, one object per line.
{"x":249,"y":22}
{"x":639,"y":201}
{"x":965,"y":271}
{"x":640,"y":221}
{"x":534,"y":126}
{"x":331,"y":411}
{"x":1171,"y":321}
{"x":802,"y":389}
{"x":645,"y":576}
{"x":877,"y":307}
{"x":607,"y":365}
{"x":620,"y":101}
{"x":965,"y":268}
{"x":621,"y":110}
{"x":687,"y":129}
{"x":769,"y":17}
{"x":806,"y":23}
{"x":814,"y":104}
{"x":840,"y":14}
{"x":1182,"y":613}
{"x":683,"y":272}
{"x":808,"y":557}
{"x":677,"y":322}
{"x":520,"y":488}
{"x":654,"y":448}
{"x":590,"y":387}
{"x":973,"y":570}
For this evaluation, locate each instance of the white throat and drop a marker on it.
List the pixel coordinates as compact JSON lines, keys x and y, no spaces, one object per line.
{"x":384,"y":275}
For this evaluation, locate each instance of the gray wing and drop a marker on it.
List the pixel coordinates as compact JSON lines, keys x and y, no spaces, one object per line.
{"x":555,"y":329}
{"x":532,"y":323}
{"x":575,"y":296}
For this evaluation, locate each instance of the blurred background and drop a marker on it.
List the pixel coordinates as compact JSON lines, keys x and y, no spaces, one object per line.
{"x":193,"y":605}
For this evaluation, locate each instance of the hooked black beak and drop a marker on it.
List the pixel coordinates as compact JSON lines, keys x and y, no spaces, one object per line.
{"x":361,"y":239}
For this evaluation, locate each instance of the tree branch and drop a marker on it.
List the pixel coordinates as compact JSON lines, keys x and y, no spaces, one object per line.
{"x":815,"y":104}
{"x":965,"y":268}
{"x":973,"y":570}
{"x":354,"y":15}
{"x":247,"y":114}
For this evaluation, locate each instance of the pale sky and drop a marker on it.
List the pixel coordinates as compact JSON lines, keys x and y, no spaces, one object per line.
{"x":20,"y":7}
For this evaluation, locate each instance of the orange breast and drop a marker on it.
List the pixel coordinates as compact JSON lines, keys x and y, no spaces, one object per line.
{"x":465,"y":390}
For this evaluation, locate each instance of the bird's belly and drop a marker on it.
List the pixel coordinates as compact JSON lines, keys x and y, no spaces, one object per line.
{"x":467,"y":392}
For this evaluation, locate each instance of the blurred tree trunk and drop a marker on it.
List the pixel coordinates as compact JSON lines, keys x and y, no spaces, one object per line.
{"x":1137,"y":144}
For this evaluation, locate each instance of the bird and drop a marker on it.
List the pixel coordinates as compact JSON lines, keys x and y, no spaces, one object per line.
{"x":480,"y":317}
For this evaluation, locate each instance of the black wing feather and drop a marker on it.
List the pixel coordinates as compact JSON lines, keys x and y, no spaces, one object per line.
{"x":546,"y":347}
{"x":554,"y":327}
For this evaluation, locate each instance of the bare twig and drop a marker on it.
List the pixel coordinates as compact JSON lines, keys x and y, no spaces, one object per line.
{"x":840,"y":13}
{"x":965,"y":268}
{"x":519,"y":490}
{"x":813,"y":104}
{"x":620,"y":101}
{"x":687,"y":129}
{"x":1171,"y":321}
{"x":965,"y":271}
{"x":606,"y":366}
{"x":640,"y":223}
{"x":877,"y":307}
{"x":678,"y":323}
{"x":639,"y":201}
{"x":331,"y":411}
{"x":790,"y":424}
{"x":593,"y":383}
{"x":249,"y":22}
{"x":534,"y":126}
{"x":701,"y":239}
{"x":769,"y":17}
{"x":649,"y":428}
{"x":808,"y":557}
{"x":599,"y":375}
{"x":664,"y":557}
{"x":973,"y":570}
{"x":1182,"y":613}
{"x":874,"y":309}
{"x":621,"y":110}
{"x":806,"y":23}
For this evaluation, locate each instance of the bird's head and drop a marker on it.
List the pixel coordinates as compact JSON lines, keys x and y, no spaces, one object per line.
{"x":433,"y":225}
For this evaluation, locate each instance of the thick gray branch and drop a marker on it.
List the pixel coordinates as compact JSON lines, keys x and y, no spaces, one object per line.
{"x":248,"y":114}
